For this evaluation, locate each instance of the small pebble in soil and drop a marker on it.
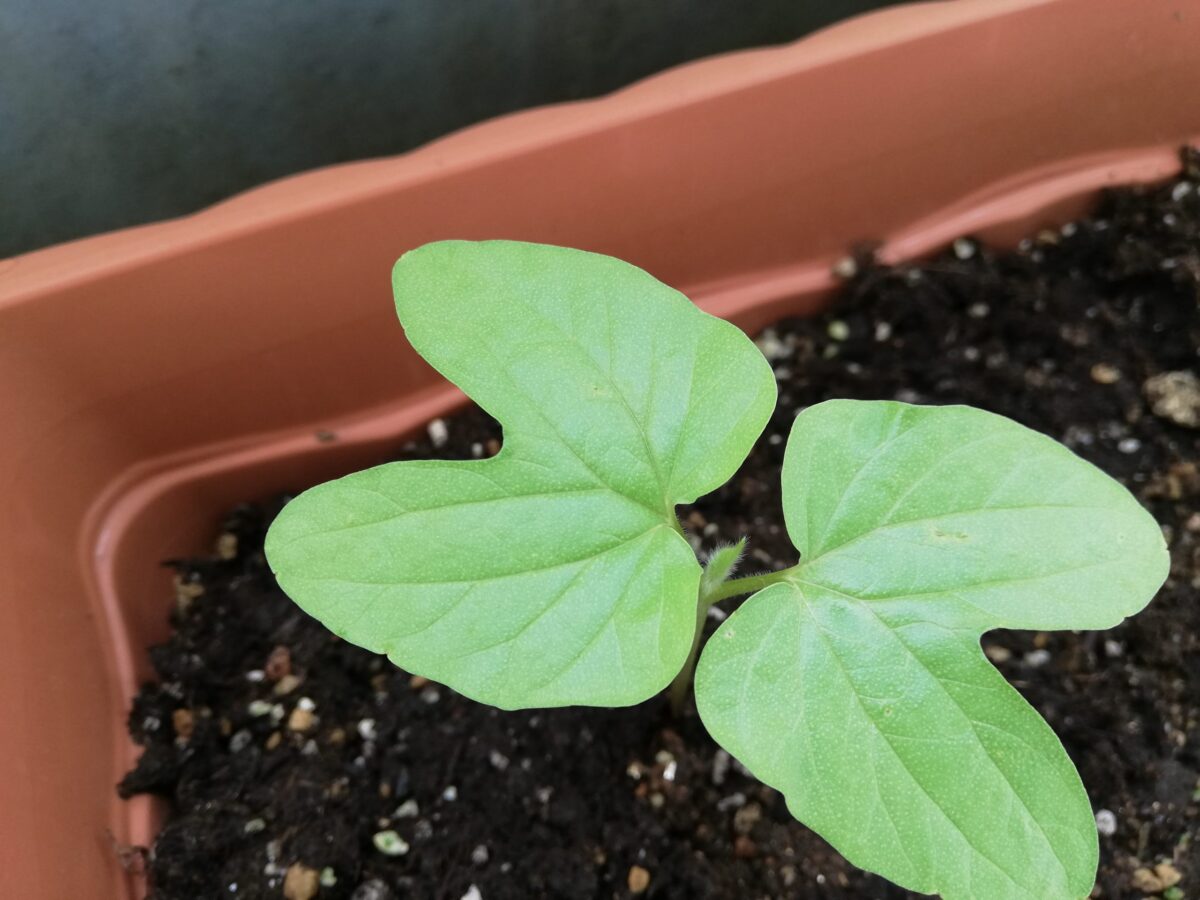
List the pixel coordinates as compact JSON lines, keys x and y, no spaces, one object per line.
{"x":1103,"y":373}
{"x":638,"y":880}
{"x":254,"y":826}
{"x":473,"y":893}
{"x":720,"y":767}
{"x":498,"y":760}
{"x":184,"y":723}
{"x":964,"y":248}
{"x":185,"y":593}
{"x":240,"y":741}
{"x":744,"y":848}
{"x":409,"y":809}
{"x":1106,"y":822}
{"x":733,"y":801}
{"x":259,"y":708}
{"x":450,"y":794}
{"x":328,"y":877}
{"x":1156,"y":880}
{"x":746,"y":818}
{"x":845,"y":268}
{"x":366,"y":729}
{"x":439,"y":434}
{"x":301,"y":720}
{"x":279,"y":663}
{"x":287,"y":684}
{"x":389,"y":843}
{"x":227,"y":546}
{"x":1175,"y":396}
{"x":1037,"y":658}
{"x":771,"y":346}
{"x":479,"y":856}
{"x":372,"y":890}
{"x":301,"y":882}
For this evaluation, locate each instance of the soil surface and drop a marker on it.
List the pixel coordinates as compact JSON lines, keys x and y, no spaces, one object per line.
{"x":294,"y":762}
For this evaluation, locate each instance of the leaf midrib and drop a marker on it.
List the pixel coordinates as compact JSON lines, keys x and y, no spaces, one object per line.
{"x":884,"y":736}
{"x":606,"y":374}
{"x":458,"y":504}
{"x":668,"y":505}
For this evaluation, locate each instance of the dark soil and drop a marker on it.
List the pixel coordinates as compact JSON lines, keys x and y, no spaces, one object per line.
{"x":1061,"y":335}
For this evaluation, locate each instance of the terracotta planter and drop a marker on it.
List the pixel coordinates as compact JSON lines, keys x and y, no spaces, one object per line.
{"x":150,"y":378}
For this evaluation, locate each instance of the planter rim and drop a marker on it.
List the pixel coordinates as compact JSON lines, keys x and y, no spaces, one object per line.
{"x":24,"y":276}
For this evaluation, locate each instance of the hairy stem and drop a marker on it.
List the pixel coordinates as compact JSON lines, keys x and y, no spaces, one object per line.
{"x":734,"y":587}
{"x":683,"y":681}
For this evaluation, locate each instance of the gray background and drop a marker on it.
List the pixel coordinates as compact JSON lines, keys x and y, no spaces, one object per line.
{"x":116,"y":112}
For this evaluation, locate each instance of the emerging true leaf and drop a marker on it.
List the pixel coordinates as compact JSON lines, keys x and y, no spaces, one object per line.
{"x":720,"y":565}
{"x":555,"y":572}
{"x":857,"y":685}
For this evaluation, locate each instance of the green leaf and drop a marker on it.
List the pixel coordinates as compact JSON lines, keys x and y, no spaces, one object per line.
{"x":554,"y":573}
{"x":857,"y":685}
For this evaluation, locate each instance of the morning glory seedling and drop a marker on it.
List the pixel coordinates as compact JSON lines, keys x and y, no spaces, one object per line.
{"x":557,"y":573}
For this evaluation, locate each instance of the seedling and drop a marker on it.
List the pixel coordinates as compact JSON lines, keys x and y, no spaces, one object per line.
{"x":556,"y":573}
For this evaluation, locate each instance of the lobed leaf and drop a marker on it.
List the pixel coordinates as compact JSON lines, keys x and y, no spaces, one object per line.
{"x":857,"y":685}
{"x":554,"y":573}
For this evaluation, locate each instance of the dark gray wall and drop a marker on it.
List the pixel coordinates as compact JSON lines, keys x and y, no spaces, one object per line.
{"x":115,"y":112}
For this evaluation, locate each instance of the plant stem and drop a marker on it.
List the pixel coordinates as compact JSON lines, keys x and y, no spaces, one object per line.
{"x":683,"y":680}
{"x":723,"y":591}
{"x":735,"y":587}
